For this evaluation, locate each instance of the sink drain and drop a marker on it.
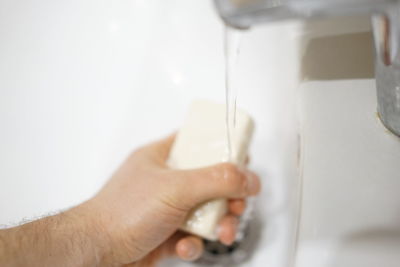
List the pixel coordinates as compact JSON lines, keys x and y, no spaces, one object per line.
{"x":217,"y":254}
{"x":249,"y":231}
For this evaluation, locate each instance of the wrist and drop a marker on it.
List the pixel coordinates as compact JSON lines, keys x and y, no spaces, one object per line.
{"x":114,"y":242}
{"x":98,"y":241}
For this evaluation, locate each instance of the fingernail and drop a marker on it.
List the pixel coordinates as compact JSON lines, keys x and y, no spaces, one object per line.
{"x":228,"y":232}
{"x":252,"y":184}
{"x":191,"y":251}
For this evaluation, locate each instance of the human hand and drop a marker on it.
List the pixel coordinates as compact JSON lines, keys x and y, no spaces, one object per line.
{"x":143,"y":205}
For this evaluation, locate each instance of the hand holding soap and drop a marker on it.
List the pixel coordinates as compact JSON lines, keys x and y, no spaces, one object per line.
{"x":202,"y":141}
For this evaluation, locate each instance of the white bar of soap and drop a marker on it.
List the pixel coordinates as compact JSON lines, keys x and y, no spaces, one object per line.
{"x":201,"y":142}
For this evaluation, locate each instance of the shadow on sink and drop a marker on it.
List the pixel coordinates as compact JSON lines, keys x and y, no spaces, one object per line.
{"x":369,"y":248}
{"x":331,"y":54}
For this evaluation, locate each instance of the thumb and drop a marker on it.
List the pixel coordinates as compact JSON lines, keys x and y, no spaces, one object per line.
{"x":223,"y":180}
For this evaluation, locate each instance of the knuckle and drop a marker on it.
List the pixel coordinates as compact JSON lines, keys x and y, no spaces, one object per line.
{"x":232,"y":177}
{"x":174,"y":199}
{"x":237,"y":183}
{"x":228,"y":169}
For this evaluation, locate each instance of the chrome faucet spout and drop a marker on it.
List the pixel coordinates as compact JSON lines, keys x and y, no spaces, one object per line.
{"x":386,"y":30}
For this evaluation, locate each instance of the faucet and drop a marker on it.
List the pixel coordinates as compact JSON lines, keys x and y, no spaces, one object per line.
{"x":385,"y":15}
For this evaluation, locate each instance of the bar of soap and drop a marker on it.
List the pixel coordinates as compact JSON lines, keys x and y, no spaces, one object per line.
{"x":201,"y":142}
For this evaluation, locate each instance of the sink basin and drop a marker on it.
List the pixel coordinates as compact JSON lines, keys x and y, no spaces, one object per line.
{"x":350,"y":201}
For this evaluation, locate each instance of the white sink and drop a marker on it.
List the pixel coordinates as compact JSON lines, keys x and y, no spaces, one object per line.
{"x":83,"y":83}
{"x":351,"y":176}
